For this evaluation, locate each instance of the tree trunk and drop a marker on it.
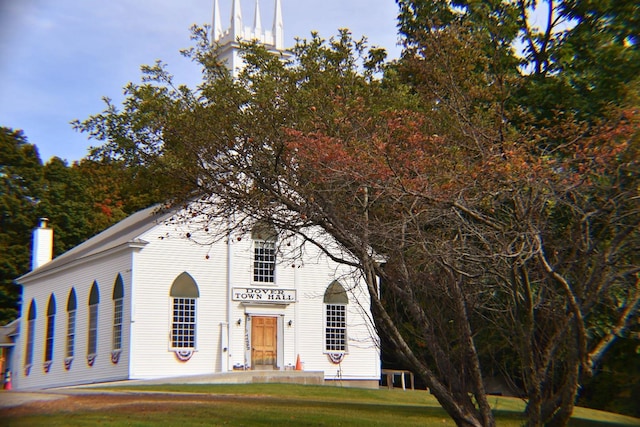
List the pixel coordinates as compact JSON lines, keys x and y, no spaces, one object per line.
{"x":463,"y":413}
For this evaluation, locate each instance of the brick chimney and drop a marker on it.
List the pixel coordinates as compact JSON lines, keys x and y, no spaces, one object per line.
{"x":42,"y":249}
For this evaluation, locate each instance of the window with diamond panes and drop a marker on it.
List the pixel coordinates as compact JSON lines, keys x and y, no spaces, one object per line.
{"x":335,"y":300}
{"x":184,"y":299}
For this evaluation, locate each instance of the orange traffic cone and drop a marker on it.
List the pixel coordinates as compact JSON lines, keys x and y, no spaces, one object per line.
{"x":298,"y":364}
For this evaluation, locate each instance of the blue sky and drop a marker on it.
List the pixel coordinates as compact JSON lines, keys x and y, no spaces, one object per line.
{"x":58,"y":58}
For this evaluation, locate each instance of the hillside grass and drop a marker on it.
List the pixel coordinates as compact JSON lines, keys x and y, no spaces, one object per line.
{"x":292,"y":405}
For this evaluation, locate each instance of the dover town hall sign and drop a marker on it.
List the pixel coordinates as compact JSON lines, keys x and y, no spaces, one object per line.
{"x":264,"y":295}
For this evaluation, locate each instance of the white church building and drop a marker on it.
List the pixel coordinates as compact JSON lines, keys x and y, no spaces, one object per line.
{"x":154,"y":296}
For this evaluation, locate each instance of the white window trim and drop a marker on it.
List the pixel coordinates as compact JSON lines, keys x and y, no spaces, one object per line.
{"x":118,"y":322}
{"x":92,"y":341}
{"x":195,"y":329}
{"x":254,"y":244}
{"x":325,"y":327}
{"x":49,"y":342}
{"x":31,"y":335}
{"x":71,"y":333}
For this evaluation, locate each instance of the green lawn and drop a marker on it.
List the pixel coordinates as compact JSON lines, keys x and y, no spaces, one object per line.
{"x":290,"y":405}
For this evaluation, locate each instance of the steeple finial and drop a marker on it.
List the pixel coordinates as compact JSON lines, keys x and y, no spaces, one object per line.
{"x":237,"y":28}
{"x":217,"y":23}
{"x":257,"y":20}
{"x":278,"y":27}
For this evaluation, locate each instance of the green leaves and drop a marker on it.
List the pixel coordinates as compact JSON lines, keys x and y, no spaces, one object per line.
{"x":21,"y":183}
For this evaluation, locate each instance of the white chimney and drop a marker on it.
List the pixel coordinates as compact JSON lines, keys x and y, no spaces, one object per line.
{"x":42,"y":250}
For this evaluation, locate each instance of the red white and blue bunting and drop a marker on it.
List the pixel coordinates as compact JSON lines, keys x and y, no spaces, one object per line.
{"x":91,"y":358}
{"x":335,"y":358}
{"x":184,"y":355}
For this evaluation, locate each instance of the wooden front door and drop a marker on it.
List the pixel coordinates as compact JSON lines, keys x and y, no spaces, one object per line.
{"x":263,"y":342}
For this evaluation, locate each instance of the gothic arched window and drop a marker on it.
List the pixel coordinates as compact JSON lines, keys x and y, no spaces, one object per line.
{"x":92,"y":339}
{"x":118,"y":305}
{"x":31,"y":329}
{"x":51,"y":322}
{"x":72,"y":307}
{"x":335,"y":310}
{"x":184,"y":296}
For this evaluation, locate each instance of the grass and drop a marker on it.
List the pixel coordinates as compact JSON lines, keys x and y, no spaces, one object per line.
{"x":291,"y":405}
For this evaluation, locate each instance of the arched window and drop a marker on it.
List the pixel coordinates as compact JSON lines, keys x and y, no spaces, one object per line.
{"x":92,"y":339}
{"x":51,"y":321}
{"x":335,"y":302}
{"x":31,"y":328}
{"x":264,"y":237}
{"x":184,"y":295}
{"x":118,"y":303}
{"x":71,"y":328}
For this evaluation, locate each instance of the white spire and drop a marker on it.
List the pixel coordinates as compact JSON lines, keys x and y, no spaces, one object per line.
{"x":278,"y":27}
{"x":237,"y":28}
{"x":226,"y":38}
{"x":217,"y":23}
{"x":257,"y":20}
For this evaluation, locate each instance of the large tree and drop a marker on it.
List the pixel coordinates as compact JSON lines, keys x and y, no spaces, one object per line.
{"x":579,"y":62}
{"x":21,"y":180}
{"x":426,"y":186}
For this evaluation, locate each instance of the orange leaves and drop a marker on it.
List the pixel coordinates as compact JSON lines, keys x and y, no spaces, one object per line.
{"x":397,"y":155}
{"x":600,"y":152}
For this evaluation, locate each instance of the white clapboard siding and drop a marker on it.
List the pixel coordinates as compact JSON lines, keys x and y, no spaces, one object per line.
{"x":59,"y":283}
{"x":168,"y":254}
{"x":150,"y":251}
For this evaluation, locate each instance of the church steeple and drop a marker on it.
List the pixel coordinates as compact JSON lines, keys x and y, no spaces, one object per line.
{"x":237,"y":29}
{"x":278,"y":27}
{"x":227,"y":40}
{"x":257,"y":20}
{"x":217,"y":23}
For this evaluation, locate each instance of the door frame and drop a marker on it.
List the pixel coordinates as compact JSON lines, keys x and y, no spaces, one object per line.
{"x":279,"y":338}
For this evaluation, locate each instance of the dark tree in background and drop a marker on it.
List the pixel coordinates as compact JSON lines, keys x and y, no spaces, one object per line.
{"x":80,"y":200}
{"x":21,"y":178}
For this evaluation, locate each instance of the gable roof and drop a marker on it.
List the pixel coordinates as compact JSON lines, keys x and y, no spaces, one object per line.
{"x":126,"y":231}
